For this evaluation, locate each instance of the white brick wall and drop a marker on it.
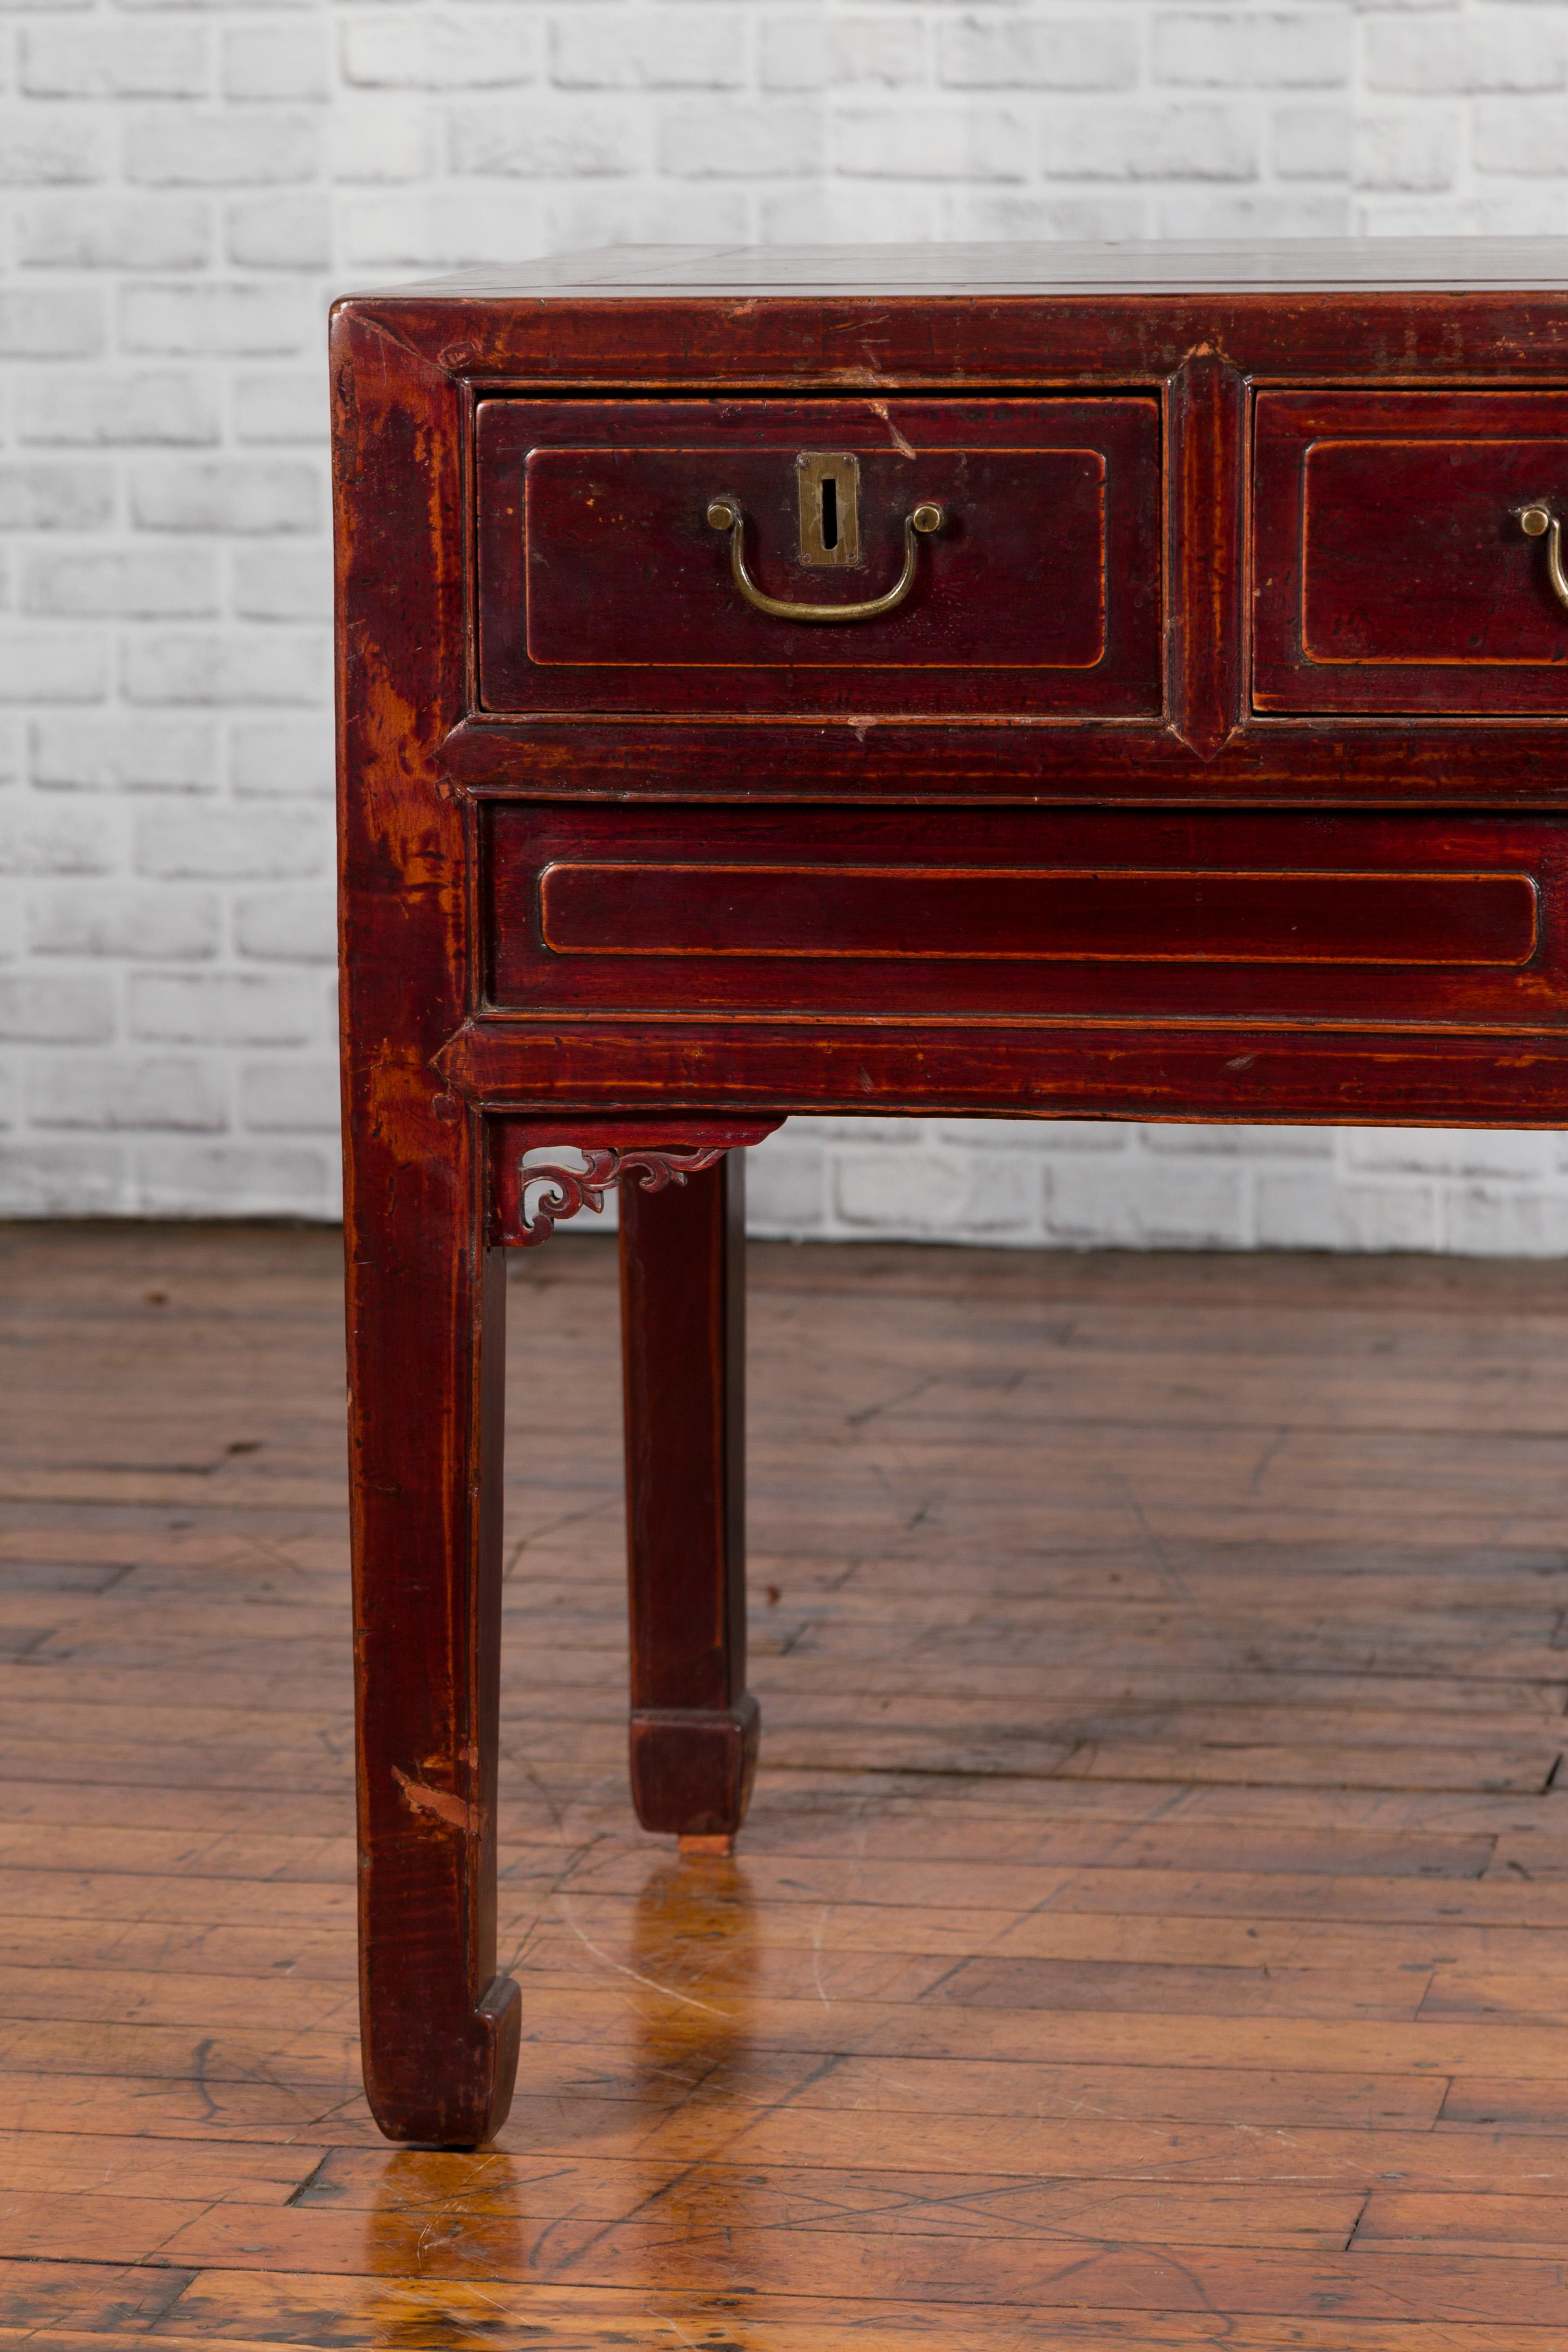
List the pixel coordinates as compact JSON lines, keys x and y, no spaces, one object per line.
{"x":183,"y":182}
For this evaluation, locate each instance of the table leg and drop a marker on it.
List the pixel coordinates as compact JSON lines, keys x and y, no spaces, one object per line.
{"x":693,"y":1726}
{"x":427,"y":1333}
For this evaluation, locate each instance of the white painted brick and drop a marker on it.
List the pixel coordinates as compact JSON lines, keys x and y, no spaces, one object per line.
{"x":282,"y":404}
{"x":673,"y":47}
{"x":245,"y":494}
{"x":603,"y":210}
{"x":279,"y":232}
{"x":282,"y":759}
{"x":241,"y":319}
{"x":1040,"y":52}
{"x":221,"y":1008}
{"x":215,"y":843}
{"x":284,"y":59}
{"x":46,"y":1009}
{"x":888,"y":1134}
{"x":1284,"y":50}
{"x":786,"y":1185}
{"x":1152,"y":1205}
{"x":284,"y":583}
{"x":1505,"y":1221}
{"x":49,"y":326}
{"x":991,"y":215}
{"x":1521,"y":134}
{"x":115,"y":409}
{"x":927,"y":1193}
{"x":288,"y":926}
{"x":219,"y":8}
{"x":1506,"y":48}
{"x":1401,"y":151}
{"x":561,"y":138}
{"x":183,"y":1179}
{"x":406,"y":232}
{"x":299,"y":1097}
{"x":125,"y":753}
{"x":81,"y":232}
{"x":1304,"y":212}
{"x":44,"y":146}
{"x":817,"y":53}
{"x":104,"y":59}
{"x":1240,"y":1142}
{"x":1141,"y":142}
{"x":1036,"y":1135}
{"x":1524,"y":209}
{"x":131,"y":582}
{"x":44,"y":835}
{"x":92,"y":1091}
{"x":436,"y":48}
{"x":1449,"y":1151}
{"x":379,"y":139}
{"x":905,"y":142}
{"x":701,"y":137}
{"x":1312,"y":143}
{"x":129,"y":922}
{"x":78,"y":1181}
{"x":1308,"y":1210}
{"x":809,"y":212}
{"x":223,"y":147}
{"x":44,"y":666}
{"x":52,"y":495}
{"x":218,"y":668}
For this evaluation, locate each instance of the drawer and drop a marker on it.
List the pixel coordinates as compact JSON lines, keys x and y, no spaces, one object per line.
{"x":633,"y":556}
{"x":1051,"y":912}
{"x":1393,"y":567}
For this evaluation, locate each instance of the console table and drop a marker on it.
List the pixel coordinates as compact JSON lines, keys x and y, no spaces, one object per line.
{"x":1115,"y":682}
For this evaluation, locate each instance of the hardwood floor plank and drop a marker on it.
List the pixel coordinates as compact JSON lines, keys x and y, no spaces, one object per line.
{"x":61,"y":2163}
{"x":1462,"y":2222}
{"x":1150,"y":1932}
{"x":332,"y":2313}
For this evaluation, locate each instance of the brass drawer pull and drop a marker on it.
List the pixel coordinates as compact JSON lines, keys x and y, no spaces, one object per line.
{"x":1540,"y":521}
{"x":726,"y":514}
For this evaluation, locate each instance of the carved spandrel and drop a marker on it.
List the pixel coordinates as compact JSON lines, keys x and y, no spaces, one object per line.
{"x":529,"y":1200}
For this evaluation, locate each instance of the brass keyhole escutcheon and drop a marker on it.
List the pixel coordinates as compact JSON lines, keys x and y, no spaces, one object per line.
{"x":829,"y":490}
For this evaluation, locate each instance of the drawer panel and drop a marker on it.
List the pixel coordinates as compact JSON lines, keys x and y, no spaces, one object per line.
{"x":1392,"y":570}
{"x":906,"y":915}
{"x":606,"y":587}
{"x":1271,"y":916}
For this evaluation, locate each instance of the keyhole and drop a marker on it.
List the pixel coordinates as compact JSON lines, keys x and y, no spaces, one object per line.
{"x":829,"y":511}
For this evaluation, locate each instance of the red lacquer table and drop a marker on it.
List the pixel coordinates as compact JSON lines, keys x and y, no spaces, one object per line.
{"x":1107,"y":682}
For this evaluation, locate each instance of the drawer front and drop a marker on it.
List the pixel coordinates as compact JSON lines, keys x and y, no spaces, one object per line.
{"x":915,"y":913}
{"x":1393,"y":569}
{"x":630,"y":553}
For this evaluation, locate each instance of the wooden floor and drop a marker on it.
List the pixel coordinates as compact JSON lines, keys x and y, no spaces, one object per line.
{"x":1152,"y":1926}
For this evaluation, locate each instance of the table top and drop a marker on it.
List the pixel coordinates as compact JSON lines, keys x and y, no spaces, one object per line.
{"x":1305,"y":264}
